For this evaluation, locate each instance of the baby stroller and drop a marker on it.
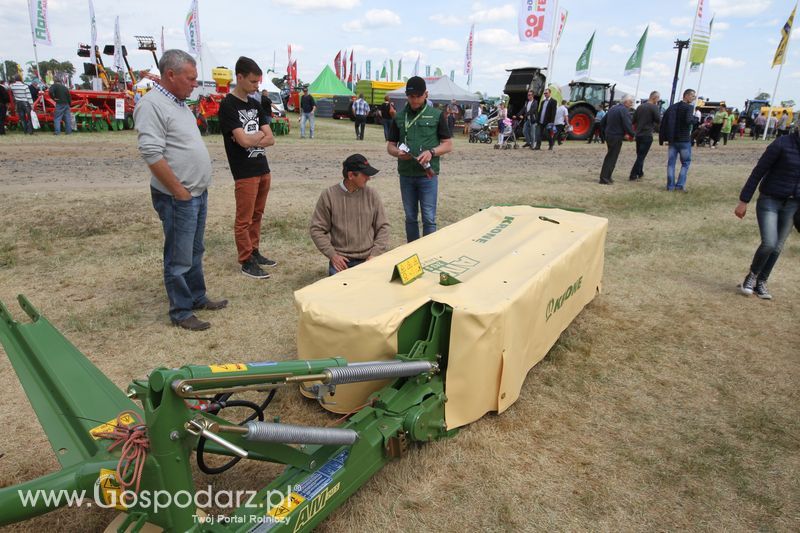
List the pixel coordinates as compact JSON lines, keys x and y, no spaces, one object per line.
{"x":702,"y":135}
{"x":479,"y":132}
{"x":506,"y":137}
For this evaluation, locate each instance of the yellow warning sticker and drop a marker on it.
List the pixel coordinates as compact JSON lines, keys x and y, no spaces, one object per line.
{"x":229,"y":367}
{"x":110,"y":489}
{"x":285,"y":508}
{"x":408,"y":270}
{"x":95,"y":432}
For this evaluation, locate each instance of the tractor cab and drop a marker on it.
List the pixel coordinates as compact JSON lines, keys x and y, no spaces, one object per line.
{"x":594,"y":94}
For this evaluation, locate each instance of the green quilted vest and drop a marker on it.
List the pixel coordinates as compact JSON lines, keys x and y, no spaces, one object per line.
{"x":420,"y":133}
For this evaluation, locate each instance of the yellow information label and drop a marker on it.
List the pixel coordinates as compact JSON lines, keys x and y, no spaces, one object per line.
{"x":408,"y":270}
{"x":230,"y":367}
{"x":110,"y":489}
{"x":126,"y":420}
{"x":285,"y":508}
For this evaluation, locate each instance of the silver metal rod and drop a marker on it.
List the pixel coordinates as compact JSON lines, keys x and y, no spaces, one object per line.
{"x":293,"y":434}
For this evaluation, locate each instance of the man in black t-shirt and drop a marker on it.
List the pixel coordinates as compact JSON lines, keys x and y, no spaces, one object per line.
{"x":246,"y":133}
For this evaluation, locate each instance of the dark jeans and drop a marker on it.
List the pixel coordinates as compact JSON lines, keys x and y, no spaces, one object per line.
{"x":361,"y":121}
{"x":642,"y":148}
{"x":350,"y":264}
{"x":716,"y":130}
{"x":3,"y":111}
{"x":387,"y":122}
{"x":24,"y":116}
{"x":419,"y":193}
{"x":543,"y":132}
{"x":613,"y":147}
{"x":451,"y":123}
{"x":184,"y":225}
{"x":775,"y":220}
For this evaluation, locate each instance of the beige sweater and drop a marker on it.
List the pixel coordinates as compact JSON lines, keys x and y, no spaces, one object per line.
{"x":350,"y":224}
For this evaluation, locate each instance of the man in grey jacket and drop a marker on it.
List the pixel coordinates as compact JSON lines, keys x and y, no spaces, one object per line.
{"x":180,"y":166}
{"x":616,"y":124}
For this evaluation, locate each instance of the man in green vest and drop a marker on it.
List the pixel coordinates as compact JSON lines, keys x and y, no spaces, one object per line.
{"x":418,"y":137}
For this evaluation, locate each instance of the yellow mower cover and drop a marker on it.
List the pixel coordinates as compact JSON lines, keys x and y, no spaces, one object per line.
{"x":525,"y":274}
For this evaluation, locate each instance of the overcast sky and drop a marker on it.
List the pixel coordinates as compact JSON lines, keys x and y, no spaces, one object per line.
{"x":746,"y":33}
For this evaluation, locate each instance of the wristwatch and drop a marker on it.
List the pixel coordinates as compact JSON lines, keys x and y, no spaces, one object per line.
{"x":433,"y":152}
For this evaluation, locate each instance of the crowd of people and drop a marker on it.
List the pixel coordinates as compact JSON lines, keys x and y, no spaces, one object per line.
{"x":349,"y":225}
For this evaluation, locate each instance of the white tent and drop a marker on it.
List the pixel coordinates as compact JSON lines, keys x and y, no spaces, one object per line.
{"x":440,"y":91}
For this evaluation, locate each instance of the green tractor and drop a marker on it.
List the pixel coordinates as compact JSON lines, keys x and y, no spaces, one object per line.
{"x":585,"y":100}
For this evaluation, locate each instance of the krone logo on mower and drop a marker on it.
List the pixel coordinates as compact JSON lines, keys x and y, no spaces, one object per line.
{"x":555,"y":303}
{"x":486,"y":237}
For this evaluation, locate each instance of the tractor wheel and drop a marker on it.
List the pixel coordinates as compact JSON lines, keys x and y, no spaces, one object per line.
{"x":101,"y":124}
{"x":128,"y":122}
{"x":581,"y":118}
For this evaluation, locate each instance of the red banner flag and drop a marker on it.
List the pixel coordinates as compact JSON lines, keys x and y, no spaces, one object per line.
{"x":337,"y":64}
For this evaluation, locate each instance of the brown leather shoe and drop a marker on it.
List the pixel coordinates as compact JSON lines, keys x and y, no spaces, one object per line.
{"x":193,"y":324}
{"x":212,"y":305}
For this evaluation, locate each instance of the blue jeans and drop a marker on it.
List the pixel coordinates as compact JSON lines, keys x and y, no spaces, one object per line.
{"x":62,"y":113}
{"x":529,"y":132}
{"x":184,"y":225}
{"x":684,"y":149}
{"x":386,"y":125}
{"x":350,"y":264}
{"x":775,"y":220}
{"x":306,"y":117}
{"x":419,"y":193}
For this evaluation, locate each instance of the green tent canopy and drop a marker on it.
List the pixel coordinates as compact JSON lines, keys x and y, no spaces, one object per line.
{"x":327,"y":85}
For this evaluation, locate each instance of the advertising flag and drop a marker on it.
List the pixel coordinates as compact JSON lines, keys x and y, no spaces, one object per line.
{"x":337,"y":64}
{"x":427,"y":71}
{"x":786,"y":32}
{"x":468,"y":55}
{"x":352,"y":75}
{"x":416,"y":67}
{"x":453,"y":75}
{"x":535,"y":20}
{"x":583,"y":65}
{"x":93,"y":28}
{"x":39,"y":26}
{"x":391,"y":70}
{"x":117,"y":47}
{"x":383,"y":72}
{"x":192,"y":29}
{"x":702,"y":34}
{"x":634,"y":64}
{"x":162,"y":40}
{"x":368,"y":68}
{"x":562,"y":21}
{"x":438,"y":72}
{"x":400,"y":69}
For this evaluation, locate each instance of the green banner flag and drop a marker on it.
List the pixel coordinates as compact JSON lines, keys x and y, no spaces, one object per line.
{"x":391,"y":70}
{"x":582,"y":67}
{"x":383,"y":72}
{"x":634,"y":64}
{"x":400,"y":69}
{"x":438,"y":72}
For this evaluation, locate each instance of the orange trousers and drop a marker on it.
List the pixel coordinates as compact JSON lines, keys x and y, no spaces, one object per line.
{"x":251,"y":198}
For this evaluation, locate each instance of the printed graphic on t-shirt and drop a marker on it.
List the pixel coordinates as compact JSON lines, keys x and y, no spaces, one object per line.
{"x":249,"y":120}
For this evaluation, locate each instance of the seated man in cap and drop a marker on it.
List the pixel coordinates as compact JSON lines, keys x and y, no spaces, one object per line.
{"x":349,"y":225}
{"x":418,"y":136}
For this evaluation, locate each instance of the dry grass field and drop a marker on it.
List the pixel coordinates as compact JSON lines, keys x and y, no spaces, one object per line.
{"x":670,"y":404}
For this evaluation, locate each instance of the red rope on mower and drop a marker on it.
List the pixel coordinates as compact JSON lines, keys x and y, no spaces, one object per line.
{"x":135,"y":444}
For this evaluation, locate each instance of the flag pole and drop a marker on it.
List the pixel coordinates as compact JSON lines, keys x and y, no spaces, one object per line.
{"x":551,"y":54}
{"x":772,"y":100}
{"x":689,"y":51}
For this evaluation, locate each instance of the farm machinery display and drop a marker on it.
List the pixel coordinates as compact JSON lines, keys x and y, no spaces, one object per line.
{"x":429,"y":349}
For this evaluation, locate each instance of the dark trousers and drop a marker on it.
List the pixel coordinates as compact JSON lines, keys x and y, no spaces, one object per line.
{"x":613,"y":147}
{"x":642,"y":148}
{"x":544,"y":133}
{"x":716,"y":130}
{"x":361,"y":121}
{"x":3,"y":110}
